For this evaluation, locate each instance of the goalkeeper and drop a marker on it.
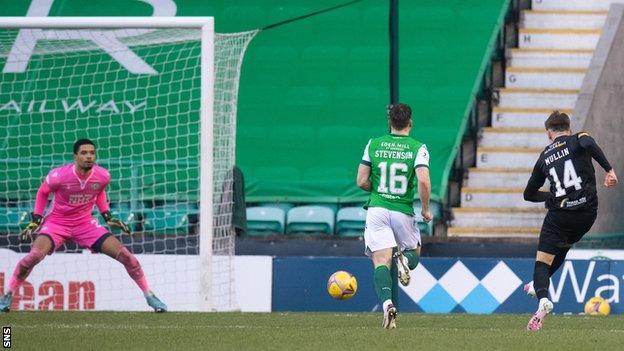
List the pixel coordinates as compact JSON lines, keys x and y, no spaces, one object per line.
{"x":77,"y":187}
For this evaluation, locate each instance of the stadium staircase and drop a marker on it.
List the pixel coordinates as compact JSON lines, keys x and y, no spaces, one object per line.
{"x":556,"y":39}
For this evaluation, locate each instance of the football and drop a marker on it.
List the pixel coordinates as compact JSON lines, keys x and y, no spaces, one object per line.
{"x":597,"y":306}
{"x":341,"y":285}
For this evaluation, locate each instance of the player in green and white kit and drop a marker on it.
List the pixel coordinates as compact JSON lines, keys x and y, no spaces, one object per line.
{"x":388,"y":170}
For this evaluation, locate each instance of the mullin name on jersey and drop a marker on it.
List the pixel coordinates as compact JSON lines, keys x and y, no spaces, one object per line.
{"x":567,"y":163}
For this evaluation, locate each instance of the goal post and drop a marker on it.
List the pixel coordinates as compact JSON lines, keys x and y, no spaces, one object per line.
{"x":158,"y":97}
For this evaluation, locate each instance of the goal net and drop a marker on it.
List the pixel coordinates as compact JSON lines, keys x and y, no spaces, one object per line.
{"x":141,"y":94}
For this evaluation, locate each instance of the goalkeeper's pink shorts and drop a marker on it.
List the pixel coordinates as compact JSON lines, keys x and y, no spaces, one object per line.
{"x":84,"y":234}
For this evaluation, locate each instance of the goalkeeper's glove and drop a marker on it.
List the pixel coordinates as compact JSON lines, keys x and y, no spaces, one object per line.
{"x":115,"y":222}
{"x":33,"y":226}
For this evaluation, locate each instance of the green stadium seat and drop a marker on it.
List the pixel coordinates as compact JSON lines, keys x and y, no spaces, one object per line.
{"x":168,"y":219}
{"x":332,"y":206}
{"x":265,"y":220}
{"x":310,"y":219}
{"x":13,"y":219}
{"x":426,"y":229}
{"x":350,"y":222}
{"x":124,"y":212}
{"x":284,"y":206}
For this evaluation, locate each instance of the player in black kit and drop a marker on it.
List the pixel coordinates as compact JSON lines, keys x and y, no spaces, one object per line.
{"x":572,"y":202}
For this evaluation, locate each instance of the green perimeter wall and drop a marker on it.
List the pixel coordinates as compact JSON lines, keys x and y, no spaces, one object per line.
{"x":314,"y":91}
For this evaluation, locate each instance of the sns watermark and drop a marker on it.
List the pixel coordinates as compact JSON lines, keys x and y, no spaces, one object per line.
{"x":6,"y":337}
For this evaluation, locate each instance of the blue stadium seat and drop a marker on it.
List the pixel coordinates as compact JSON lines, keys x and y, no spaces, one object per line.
{"x":310,"y":219}
{"x":350,"y":222}
{"x":265,"y":220}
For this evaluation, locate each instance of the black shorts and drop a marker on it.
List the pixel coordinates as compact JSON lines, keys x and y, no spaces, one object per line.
{"x":561,"y":229}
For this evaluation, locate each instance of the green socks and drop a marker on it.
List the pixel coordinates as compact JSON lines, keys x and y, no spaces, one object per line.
{"x":383,"y":283}
{"x":412,"y":258}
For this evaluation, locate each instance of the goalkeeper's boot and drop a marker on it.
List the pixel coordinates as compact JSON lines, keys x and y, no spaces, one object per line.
{"x":545,"y":307}
{"x":5,"y":302}
{"x":389,"y":320}
{"x":529,"y":289}
{"x":155,"y":303}
{"x":403,"y":266}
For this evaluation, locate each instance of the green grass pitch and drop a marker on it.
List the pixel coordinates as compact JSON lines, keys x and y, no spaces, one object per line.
{"x":305,"y":331}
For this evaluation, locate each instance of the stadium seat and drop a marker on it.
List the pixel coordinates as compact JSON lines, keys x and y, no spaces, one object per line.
{"x":284,"y":206}
{"x":330,"y":205}
{"x":168,"y":219}
{"x":310,"y":219}
{"x":350,"y":222}
{"x":12,"y":219}
{"x":265,"y":220}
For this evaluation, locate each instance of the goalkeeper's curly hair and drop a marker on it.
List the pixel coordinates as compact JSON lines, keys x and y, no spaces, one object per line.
{"x":399,"y":115}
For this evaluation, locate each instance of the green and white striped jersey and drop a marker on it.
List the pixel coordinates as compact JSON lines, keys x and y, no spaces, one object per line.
{"x":393,"y":160}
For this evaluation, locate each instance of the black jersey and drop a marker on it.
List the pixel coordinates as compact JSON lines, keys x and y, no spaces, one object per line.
{"x":567,"y":163}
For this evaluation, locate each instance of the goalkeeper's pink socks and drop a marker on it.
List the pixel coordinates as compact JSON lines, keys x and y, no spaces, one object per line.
{"x":25,"y":266}
{"x":133,"y":267}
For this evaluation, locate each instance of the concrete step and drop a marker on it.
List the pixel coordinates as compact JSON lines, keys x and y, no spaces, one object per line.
{"x":571,"y":5}
{"x":495,"y":197}
{"x":549,"y":58}
{"x":507,"y":157}
{"x":513,"y":137}
{"x":563,"y":19}
{"x":566,"y":38}
{"x":497,"y":177}
{"x":498,"y":217}
{"x":544,"y":78}
{"x":503,"y":117}
{"x":490,"y":232}
{"x":537,"y":98}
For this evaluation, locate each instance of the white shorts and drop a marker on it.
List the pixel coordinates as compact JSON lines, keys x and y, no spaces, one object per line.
{"x":386,"y":228}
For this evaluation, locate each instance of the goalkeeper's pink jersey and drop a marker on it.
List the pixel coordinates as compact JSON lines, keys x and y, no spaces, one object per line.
{"x":74,"y":195}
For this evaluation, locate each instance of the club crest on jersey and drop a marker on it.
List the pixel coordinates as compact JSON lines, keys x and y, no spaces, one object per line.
{"x":95,"y":186}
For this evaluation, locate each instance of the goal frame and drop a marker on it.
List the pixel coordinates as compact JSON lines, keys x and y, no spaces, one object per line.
{"x":206,"y":25}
